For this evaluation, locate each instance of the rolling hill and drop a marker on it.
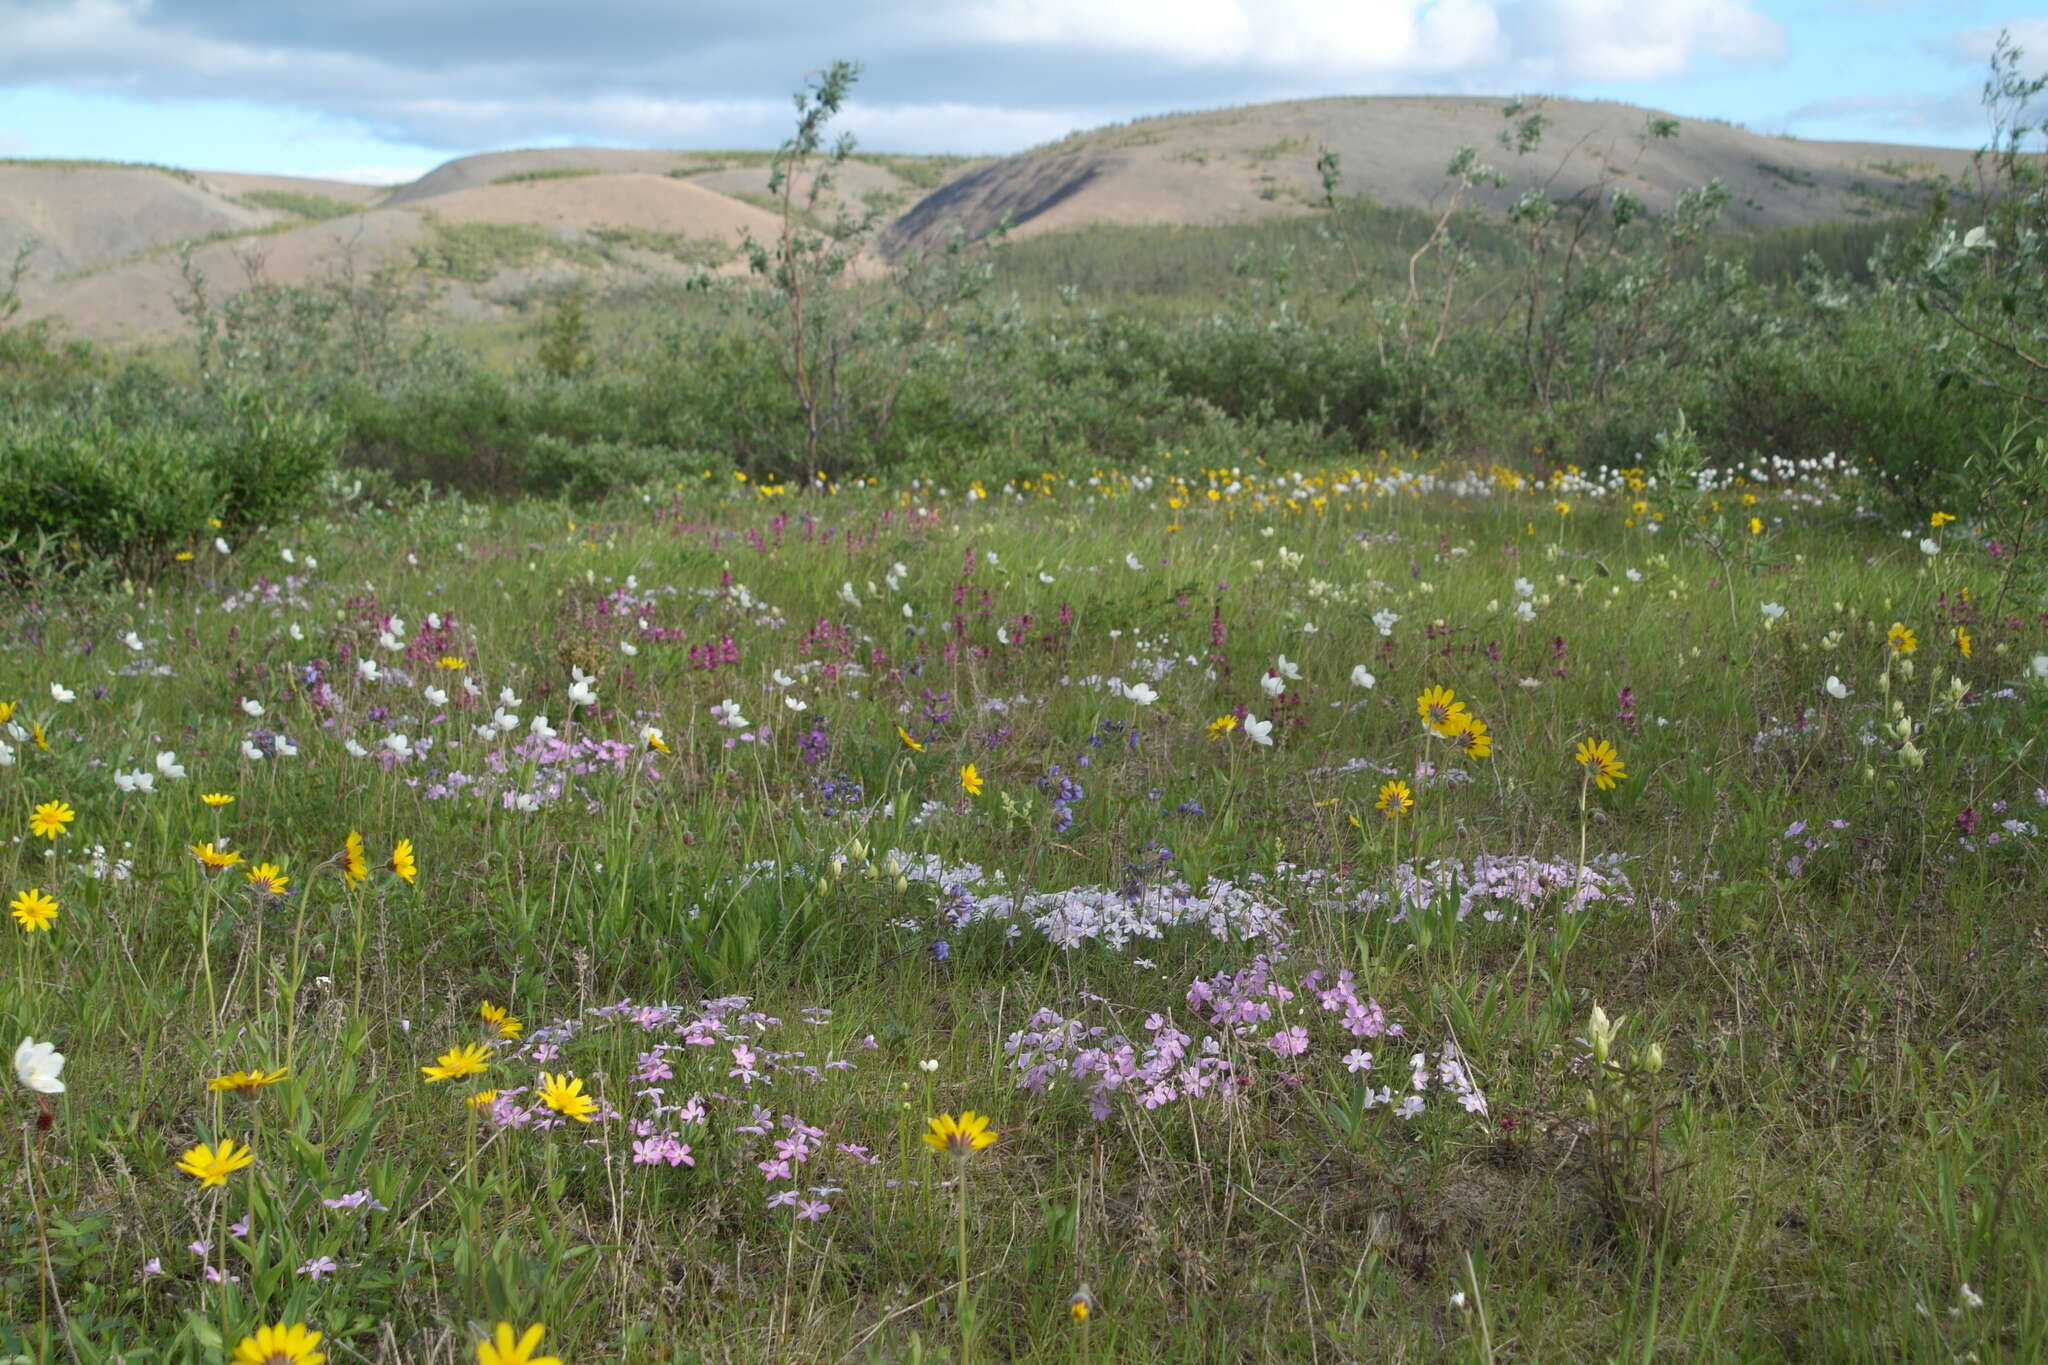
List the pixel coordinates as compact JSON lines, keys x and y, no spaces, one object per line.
{"x":485,"y":232}
{"x":1236,"y":165}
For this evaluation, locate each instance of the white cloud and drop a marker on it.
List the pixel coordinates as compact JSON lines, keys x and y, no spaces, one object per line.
{"x":1973,"y":46}
{"x":1603,"y":40}
{"x":1331,"y":36}
{"x":12,"y":143}
{"x":970,"y":129}
{"x":1628,"y":40}
{"x":366,"y":175}
{"x":956,"y":75}
{"x":1903,"y":113}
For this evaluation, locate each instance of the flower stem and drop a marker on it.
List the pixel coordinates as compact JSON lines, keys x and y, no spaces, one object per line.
{"x":960,"y":1309}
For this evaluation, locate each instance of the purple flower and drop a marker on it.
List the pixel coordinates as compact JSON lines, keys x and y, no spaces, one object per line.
{"x":357,"y":1199}
{"x":1289,"y":1042}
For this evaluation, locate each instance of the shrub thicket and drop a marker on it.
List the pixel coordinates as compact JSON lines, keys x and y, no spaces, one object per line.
{"x":83,"y":487}
{"x":1570,"y":332}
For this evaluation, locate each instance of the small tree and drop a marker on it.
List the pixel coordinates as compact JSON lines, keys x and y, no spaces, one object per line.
{"x":10,"y":292}
{"x":1418,"y":318}
{"x":809,"y":255}
{"x":1989,"y":280}
{"x":565,"y":334}
{"x":1602,"y":283}
{"x":847,"y":345}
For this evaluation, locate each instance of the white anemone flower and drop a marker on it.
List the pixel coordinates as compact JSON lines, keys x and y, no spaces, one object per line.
{"x":39,"y":1066}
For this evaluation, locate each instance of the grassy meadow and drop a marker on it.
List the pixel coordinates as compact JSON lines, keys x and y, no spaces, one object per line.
{"x":582,"y":917}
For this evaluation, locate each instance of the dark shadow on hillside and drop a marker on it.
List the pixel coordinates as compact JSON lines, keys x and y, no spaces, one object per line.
{"x":1014,"y":190}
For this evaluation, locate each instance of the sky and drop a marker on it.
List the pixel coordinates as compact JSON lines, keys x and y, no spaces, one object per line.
{"x":381,"y":91}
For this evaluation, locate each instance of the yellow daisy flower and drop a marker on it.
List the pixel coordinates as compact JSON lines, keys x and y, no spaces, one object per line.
{"x":268,"y":878}
{"x":281,"y":1345}
{"x":212,"y":1166}
{"x":1472,"y":737}
{"x":403,"y":863}
{"x":564,"y":1095}
{"x":1440,"y":709}
{"x":34,"y":910}
{"x":962,"y":1136}
{"x":355,"y":867}
{"x":1600,"y":758}
{"x":970,"y":780}
{"x":215,"y":859}
{"x":500,"y":1020}
{"x":246,"y":1083}
{"x":50,"y":818}
{"x":469,"y":1059}
{"x":506,"y":1349}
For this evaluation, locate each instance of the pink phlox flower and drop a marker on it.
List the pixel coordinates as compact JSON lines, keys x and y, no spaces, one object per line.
{"x":1289,"y":1042}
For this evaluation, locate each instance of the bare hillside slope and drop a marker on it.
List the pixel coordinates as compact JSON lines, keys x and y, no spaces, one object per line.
{"x":1238,"y":164}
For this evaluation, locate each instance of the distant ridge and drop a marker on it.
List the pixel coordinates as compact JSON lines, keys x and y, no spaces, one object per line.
{"x":1239,"y":164}
{"x":499,"y":225}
